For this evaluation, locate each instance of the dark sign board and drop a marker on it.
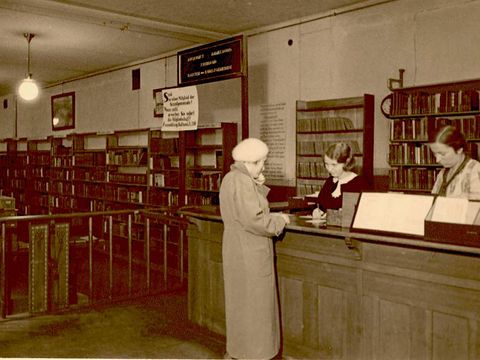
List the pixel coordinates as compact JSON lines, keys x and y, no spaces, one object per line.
{"x":217,"y":60}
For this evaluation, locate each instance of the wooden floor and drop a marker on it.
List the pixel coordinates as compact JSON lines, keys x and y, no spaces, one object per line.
{"x":154,"y":327}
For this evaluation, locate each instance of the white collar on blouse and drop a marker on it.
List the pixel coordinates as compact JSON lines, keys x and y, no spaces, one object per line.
{"x":338,"y":191}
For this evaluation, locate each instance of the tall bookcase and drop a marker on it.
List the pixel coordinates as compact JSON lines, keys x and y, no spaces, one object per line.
{"x":164,"y":155}
{"x":4,"y":164}
{"x":322,"y":123}
{"x":135,"y":168}
{"x":417,"y":111}
{"x":61,"y":174}
{"x":17,"y":173}
{"x":208,"y":156}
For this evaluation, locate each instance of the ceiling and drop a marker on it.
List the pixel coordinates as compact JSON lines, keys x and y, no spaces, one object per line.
{"x":77,"y":37}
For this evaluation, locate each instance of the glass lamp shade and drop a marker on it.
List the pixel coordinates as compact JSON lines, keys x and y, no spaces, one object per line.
{"x":28,"y":89}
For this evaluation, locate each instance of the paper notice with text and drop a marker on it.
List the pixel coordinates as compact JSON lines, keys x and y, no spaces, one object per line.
{"x":180,"y":109}
{"x":273,"y":133}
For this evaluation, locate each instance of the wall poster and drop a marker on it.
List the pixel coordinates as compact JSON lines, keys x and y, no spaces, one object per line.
{"x":273,"y":131}
{"x":180,"y":109}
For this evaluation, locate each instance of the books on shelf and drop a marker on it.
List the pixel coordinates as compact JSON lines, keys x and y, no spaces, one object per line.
{"x":423,"y":102}
{"x":412,"y":178}
{"x":319,"y":147}
{"x":318,"y":121}
{"x":418,"y":128}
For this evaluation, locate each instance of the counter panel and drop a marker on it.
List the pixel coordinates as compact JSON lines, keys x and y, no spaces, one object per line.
{"x":374,"y":300}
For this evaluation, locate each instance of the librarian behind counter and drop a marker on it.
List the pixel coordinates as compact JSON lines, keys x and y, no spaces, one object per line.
{"x":460,"y":176}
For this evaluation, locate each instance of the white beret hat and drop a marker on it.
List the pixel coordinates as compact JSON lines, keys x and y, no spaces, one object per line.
{"x":250,"y":150}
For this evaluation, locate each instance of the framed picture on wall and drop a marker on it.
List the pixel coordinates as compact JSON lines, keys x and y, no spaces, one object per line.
{"x":158,"y":103}
{"x":63,"y":111}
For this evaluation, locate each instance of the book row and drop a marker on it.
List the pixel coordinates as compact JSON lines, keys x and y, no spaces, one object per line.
{"x":170,"y":179}
{"x":309,"y":188}
{"x":409,"y":154}
{"x":420,"y":154}
{"x":201,"y":180}
{"x":89,"y":159}
{"x":418,"y":129}
{"x":164,"y":146}
{"x":315,"y":121}
{"x":309,"y":147}
{"x":127,"y":157}
{"x":421,"y":179}
{"x":137,"y":179}
{"x":311,"y":170}
{"x":434,"y":103}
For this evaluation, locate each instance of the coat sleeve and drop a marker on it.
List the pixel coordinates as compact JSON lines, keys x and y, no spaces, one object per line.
{"x":249,"y":211}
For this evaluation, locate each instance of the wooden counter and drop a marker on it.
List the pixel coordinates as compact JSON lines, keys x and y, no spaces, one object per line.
{"x":345,"y":295}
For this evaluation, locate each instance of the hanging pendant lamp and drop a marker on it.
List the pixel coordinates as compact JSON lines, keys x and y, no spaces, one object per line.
{"x":28,"y":89}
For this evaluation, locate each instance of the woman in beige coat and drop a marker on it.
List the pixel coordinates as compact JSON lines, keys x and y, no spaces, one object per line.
{"x":251,"y":305}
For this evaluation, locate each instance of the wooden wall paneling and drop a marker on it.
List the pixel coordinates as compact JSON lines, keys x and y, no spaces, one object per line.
{"x":451,"y":299}
{"x":354,"y":325}
{"x":474,"y":339}
{"x":331,"y":319}
{"x":292,"y":309}
{"x":38,"y":268}
{"x":421,"y":333}
{"x":59,"y":253}
{"x":369,"y":333}
{"x":394,"y":325}
{"x":217,"y":291}
{"x":450,"y":337}
{"x":393,"y":303}
{"x":195,"y":277}
{"x":310,"y":310}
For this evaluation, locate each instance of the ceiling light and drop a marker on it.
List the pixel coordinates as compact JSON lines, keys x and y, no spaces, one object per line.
{"x":28,"y":89}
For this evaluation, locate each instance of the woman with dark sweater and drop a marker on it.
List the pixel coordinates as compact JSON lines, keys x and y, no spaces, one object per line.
{"x":339,"y":162}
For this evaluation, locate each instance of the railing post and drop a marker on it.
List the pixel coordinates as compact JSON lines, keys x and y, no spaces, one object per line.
{"x":110,"y":257}
{"x":147,"y":249}
{"x":4,"y":300}
{"x":165,"y":238}
{"x":90,"y":259}
{"x":129,"y":254}
{"x":182,"y":233}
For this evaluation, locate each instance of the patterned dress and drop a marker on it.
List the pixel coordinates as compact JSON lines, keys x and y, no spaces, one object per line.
{"x":465,"y":184}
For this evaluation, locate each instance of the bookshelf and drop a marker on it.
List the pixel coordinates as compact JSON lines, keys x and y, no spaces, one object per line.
{"x":126,"y":183}
{"x":415,"y":112}
{"x":89,"y":171}
{"x":208,"y":156}
{"x":322,"y":123}
{"x":61,"y":174}
{"x":17,"y":173}
{"x":164,"y":169}
{"x":4,"y":164}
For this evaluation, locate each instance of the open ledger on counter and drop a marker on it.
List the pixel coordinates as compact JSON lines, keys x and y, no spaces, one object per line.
{"x":406,"y":213}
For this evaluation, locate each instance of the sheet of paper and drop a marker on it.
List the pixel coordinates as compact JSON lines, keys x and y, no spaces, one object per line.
{"x":392,"y":212}
{"x":473,"y":213}
{"x":450,"y":210}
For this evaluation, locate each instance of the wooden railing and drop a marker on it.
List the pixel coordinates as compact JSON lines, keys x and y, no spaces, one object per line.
{"x":51,"y":263}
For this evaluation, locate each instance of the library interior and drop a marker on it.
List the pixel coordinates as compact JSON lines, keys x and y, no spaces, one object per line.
{"x":226,"y":179}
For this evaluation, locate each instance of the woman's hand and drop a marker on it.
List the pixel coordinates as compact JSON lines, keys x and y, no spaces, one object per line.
{"x":285,"y":217}
{"x":318,"y":214}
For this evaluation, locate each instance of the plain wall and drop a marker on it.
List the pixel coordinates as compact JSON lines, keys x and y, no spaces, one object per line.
{"x":357,"y":52}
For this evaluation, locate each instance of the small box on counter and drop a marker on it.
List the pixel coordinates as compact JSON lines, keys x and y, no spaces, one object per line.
{"x":454,"y":221}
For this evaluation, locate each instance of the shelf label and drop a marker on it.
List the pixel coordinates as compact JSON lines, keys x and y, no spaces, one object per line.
{"x":180,"y":109}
